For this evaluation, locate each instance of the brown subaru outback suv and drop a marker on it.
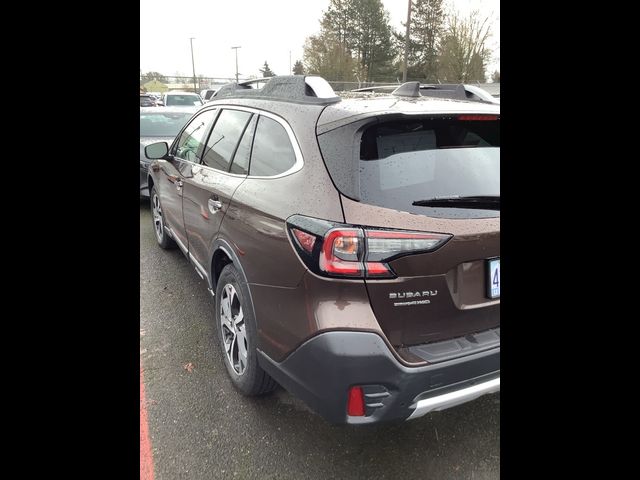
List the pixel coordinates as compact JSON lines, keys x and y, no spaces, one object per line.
{"x":352,"y":245}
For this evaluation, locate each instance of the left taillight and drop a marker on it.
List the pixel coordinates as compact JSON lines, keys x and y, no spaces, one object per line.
{"x":338,"y":250}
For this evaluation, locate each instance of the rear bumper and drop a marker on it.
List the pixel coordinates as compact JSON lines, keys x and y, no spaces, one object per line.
{"x":322,"y":370}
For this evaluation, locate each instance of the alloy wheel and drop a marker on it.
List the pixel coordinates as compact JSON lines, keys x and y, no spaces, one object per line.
{"x":158,"y":221}
{"x":234,"y":334}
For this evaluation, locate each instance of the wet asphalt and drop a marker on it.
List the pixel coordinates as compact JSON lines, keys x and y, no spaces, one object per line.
{"x":201,"y":428}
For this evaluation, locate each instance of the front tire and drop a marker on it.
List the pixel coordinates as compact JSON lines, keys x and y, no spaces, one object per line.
{"x":158,"y":222}
{"x":237,"y":334}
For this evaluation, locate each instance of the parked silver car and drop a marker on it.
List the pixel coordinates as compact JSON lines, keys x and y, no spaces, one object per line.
{"x":159,"y":124}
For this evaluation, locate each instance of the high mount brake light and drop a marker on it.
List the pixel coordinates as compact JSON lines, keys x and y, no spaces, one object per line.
{"x":335,"y":250}
{"x":477,"y":117}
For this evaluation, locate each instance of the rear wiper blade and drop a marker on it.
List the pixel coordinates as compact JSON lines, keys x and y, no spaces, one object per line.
{"x":482,"y":202}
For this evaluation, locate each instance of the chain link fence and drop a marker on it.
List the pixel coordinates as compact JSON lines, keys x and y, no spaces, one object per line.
{"x":166,"y":83}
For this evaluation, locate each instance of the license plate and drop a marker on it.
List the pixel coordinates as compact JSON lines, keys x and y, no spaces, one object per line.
{"x":493,"y":278}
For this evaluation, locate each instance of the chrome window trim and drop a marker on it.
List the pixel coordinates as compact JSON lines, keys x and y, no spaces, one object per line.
{"x":296,"y":167}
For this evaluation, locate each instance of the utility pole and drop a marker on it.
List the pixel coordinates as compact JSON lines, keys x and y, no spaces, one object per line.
{"x":290,"y":71}
{"x":406,"y":44}
{"x":236,"y":49}
{"x":193,"y":65}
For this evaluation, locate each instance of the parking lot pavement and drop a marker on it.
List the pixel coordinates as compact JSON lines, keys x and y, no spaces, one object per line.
{"x":201,"y":428}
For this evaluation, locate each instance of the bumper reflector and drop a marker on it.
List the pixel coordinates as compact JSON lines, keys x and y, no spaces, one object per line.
{"x":355,"y":403}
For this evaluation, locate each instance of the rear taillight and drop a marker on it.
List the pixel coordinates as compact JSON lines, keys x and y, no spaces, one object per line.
{"x":342,"y":252}
{"x":338,"y":250}
{"x":305,"y":240}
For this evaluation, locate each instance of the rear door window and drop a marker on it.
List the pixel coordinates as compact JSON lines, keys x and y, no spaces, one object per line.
{"x":240,"y":163}
{"x":272,"y":152}
{"x":224,"y":139}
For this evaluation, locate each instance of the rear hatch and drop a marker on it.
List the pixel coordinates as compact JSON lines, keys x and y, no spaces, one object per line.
{"x":426,"y":173}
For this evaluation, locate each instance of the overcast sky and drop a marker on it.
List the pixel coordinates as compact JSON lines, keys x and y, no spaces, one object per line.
{"x":265,"y":29}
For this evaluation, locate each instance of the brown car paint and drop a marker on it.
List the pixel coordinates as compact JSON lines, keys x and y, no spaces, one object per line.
{"x":202,"y":218}
{"x":455,"y":272}
{"x":293,"y":304}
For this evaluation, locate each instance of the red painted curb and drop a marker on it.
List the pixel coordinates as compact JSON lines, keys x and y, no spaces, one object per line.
{"x":146,"y":456}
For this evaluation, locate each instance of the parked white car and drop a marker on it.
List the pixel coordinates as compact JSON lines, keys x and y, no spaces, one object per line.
{"x":181,"y":99}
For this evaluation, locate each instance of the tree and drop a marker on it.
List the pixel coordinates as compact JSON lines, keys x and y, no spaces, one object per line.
{"x":147,"y":77}
{"x":266,"y":71}
{"x":354,"y":40}
{"x":298,"y":68}
{"x":324,"y":55}
{"x":463,"y":51}
{"x":427,"y":26}
{"x":372,"y":40}
{"x":495,"y":78}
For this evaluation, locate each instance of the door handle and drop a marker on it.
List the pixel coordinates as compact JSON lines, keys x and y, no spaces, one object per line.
{"x":214,"y":205}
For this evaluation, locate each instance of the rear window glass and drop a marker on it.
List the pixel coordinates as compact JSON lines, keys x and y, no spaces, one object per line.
{"x":183,"y":100}
{"x":162,"y":124}
{"x":407,"y":161}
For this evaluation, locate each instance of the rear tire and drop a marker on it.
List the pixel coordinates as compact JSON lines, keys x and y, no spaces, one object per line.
{"x":237,"y":335}
{"x":158,"y":222}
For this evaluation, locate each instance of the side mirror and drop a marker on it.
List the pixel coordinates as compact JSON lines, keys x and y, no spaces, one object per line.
{"x":156,"y":150}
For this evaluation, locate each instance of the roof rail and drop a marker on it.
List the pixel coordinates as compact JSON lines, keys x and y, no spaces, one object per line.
{"x":375,"y":87}
{"x":308,"y":89}
{"x":444,"y":90}
{"x":451,"y":90}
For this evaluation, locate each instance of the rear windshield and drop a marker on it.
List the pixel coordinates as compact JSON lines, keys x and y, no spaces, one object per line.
{"x":182,"y":100}
{"x":406,"y":161}
{"x":162,"y":124}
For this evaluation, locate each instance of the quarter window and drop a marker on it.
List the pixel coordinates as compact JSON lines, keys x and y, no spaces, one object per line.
{"x":272,"y":151}
{"x":192,"y":138}
{"x":224,"y":139}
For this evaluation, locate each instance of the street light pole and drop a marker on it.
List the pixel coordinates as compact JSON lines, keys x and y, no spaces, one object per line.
{"x":406,"y":44}
{"x":236,"y":49}
{"x":195,"y":89}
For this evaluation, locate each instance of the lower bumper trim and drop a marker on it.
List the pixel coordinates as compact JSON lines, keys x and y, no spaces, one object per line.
{"x":451,"y":399}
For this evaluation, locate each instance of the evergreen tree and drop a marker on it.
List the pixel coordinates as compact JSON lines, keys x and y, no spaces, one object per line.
{"x":356,"y":36}
{"x":298,"y":68}
{"x":427,"y":26}
{"x":266,"y":71}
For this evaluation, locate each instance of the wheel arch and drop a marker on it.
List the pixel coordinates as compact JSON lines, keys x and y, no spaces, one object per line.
{"x":223,"y":254}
